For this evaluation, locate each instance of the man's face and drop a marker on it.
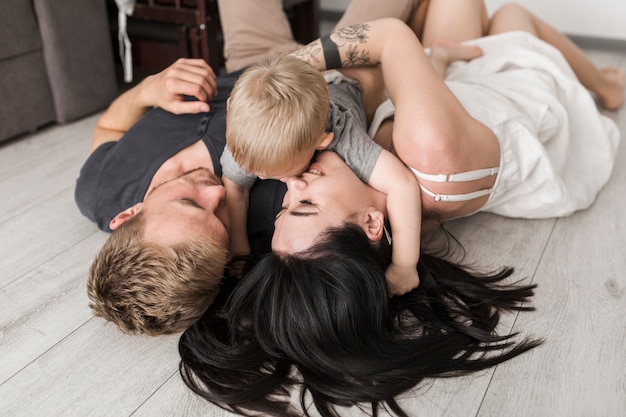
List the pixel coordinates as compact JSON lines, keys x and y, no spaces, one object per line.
{"x":192,"y":205}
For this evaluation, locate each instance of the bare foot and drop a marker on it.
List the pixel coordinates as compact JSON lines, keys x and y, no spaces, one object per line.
{"x":444,"y":51}
{"x":611,"y":95}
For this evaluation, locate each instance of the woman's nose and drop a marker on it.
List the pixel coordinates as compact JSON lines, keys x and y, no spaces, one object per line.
{"x":295,"y":183}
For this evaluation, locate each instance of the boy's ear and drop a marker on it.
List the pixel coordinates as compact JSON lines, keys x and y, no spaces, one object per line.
{"x":373,"y":224}
{"x":121,"y":218}
{"x":325,"y":141}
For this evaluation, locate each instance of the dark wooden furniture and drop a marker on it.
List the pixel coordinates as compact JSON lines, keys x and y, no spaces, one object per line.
{"x":163,"y":30}
{"x":304,"y":17}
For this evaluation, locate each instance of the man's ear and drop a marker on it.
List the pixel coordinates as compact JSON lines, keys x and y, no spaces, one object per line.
{"x":121,"y":218}
{"x":325,"y":141}
{"x":373,"y":224}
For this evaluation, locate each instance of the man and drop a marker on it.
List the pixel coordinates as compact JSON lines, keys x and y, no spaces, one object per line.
{"x":153,"y":177}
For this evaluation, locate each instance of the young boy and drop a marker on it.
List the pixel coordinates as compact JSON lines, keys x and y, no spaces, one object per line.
{"x":281,"y":111}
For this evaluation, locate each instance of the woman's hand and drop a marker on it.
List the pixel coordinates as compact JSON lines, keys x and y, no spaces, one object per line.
{"x":185,"y":77}
{"x":401,"y":279}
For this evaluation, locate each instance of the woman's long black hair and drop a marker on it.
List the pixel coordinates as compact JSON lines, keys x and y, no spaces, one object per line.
{"x":323,"y":320}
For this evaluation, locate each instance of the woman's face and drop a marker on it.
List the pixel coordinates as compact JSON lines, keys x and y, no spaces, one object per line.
{"x":323,"y":196}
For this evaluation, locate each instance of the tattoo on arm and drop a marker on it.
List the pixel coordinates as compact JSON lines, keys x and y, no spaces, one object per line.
{"x":309,"y":53}
{"x":353,"y":36}
{"x":355,"y":57}
{"x":346,"y":41}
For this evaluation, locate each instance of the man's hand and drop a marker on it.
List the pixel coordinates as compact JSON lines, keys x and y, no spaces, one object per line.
{"x":401,"y":279}
{"x":191,"y":77}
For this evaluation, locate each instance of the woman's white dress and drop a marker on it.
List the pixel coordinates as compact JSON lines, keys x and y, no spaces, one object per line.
{"x":557,"y":149}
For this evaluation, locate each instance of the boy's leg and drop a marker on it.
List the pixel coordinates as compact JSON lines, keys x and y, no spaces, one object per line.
{"x":607,"y":83}
{"x":253,"y":30}
{"x":360,"y":11}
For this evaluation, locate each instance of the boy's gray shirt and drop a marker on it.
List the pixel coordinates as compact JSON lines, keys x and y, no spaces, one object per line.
{"x":348,"y":122}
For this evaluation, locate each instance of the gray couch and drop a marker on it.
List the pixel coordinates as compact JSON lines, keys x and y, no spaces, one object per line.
{"x":56,"y":63}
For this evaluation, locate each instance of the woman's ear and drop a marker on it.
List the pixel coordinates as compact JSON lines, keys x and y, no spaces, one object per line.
{"x":373,"y":224}
{"x":121,"y":218}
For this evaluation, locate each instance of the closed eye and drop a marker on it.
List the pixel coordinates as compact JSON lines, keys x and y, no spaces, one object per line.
{"x":302,"y":209}
{"x":305,"y":208}
{"x":190,"y":202}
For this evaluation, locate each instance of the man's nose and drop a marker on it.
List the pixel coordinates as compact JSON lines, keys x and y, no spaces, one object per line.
{"x":213,"y":196}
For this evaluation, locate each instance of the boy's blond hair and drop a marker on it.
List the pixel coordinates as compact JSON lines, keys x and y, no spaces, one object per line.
{"x":278,"y":108}
{"x":146,"y":288}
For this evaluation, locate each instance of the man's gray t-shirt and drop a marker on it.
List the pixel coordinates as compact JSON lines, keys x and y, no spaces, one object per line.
{"x":117,"y":174}
{"x":348,"y":122}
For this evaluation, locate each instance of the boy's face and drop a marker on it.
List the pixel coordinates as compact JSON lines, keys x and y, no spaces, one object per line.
{"x":299,"y":165}
{"x":301,"y":162}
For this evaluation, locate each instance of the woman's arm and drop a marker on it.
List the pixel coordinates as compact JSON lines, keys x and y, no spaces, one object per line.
{"x":409,"y":76}
{"x":429,"y":120}
{"x":191,"y":77}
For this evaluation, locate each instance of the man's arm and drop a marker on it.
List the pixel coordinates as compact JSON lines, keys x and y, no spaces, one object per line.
{"x":391,"y":177}
{"x":191,"y":77}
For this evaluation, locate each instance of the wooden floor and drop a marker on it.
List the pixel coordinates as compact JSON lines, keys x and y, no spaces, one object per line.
{"x":58,"y":360}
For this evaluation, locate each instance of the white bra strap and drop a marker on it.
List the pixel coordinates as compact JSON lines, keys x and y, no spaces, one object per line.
{"x":456,"y":197}
{"x":463,"y":176}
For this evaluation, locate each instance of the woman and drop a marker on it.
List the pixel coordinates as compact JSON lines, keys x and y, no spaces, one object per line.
{"x":517,"y":130}
{"x":322,"y":311}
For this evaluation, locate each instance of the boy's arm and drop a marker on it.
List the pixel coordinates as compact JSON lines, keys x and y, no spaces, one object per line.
{"x":237,"y":198}
{"x":393,"y":178}
{"x":192,"y":77}
{"x":237,"y":183}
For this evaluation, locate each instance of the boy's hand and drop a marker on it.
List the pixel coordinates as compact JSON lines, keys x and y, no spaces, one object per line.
{"x":401,"y":279}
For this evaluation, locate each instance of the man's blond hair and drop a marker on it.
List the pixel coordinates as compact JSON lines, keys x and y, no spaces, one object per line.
{"x":147,"y":288}
{"x":278,"y":108}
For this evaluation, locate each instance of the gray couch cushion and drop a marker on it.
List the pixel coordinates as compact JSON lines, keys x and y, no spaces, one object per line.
{"x":18,"y":28}
{"x":25,"y":92}
{"x":78,"y":55}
